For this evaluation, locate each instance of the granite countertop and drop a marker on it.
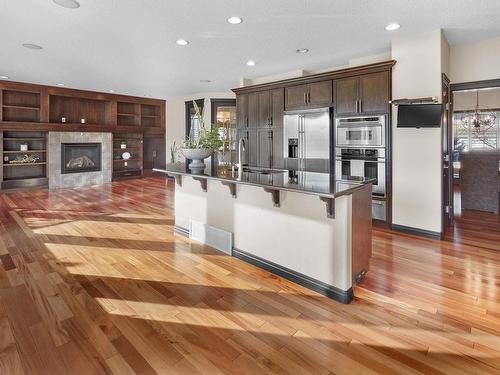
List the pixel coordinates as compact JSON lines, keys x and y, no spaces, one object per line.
{"x":318,"y":184}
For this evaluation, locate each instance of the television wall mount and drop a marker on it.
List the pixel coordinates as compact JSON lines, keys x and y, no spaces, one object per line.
{"x":428,"y":100}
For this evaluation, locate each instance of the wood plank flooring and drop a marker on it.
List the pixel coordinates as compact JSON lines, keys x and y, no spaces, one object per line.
{"x":93,"y":281}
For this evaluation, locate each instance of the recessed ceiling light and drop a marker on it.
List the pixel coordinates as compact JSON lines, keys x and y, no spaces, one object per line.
{"x":182,"y":42}
{"x":251,"y":63}
{"x":4,"y":77}
{"x":60,"y":84}
{"x":73,"y":4}
{"x":234,"y":20}
{"x":205,"y":81}
{"x":111,"y":91}
{"x":392,"y":26}
{"x":302,"y":50}
{"x":31,"y":46}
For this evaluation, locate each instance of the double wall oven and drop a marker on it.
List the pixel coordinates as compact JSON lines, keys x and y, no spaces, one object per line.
{"x":360,"y":152}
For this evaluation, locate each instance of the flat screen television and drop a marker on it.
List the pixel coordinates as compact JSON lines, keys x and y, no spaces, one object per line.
{"x":420,"y":115}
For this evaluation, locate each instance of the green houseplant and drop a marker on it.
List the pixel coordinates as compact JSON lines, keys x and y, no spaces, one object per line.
{"x":200,"y":146}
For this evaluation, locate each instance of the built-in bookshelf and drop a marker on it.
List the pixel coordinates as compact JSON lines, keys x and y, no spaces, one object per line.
{"x":20,"y":106}
{"x":127,"y":145}
{"x":128,"y":114}
{"x":24,"y":159}
{"x":150,"y":115}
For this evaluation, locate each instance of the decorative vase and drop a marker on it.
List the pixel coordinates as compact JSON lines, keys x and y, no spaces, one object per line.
{"x":196,"y":155}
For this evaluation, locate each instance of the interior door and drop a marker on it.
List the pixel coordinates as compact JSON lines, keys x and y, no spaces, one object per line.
{"x":374,"y":93}
{"x":295,"y":96}
{"x":346,"y":96}
{"x":447,"y":159}
{"x":320,"y":93}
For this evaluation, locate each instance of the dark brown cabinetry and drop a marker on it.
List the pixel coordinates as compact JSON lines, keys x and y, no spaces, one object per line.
{"x":364,"y":94}
{"x":259,"y":117}
{"x":313,"y":94}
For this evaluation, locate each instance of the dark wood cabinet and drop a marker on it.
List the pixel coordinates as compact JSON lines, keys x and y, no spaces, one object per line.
{"x":278,"y":159}
{"x":277,"y":107}
{"x":253,"y":110}
{"x":296,"y":97}
{"x":264,"y":148}
{"x":154,"y":153}
{"x":252,"y":147}
{"x":320,"y":93}
{"x":242,"y":111}
{"x":264,"y":111}
{"x":346,"y":96}
{"x":364,"y":94}
{"x":313,"y":94}
{"x":374,"y":93}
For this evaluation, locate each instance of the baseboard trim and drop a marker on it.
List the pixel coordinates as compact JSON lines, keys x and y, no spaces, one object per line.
{"x":342,"y":296}
{"x":418,"y":232}
{"x":181,"y":230}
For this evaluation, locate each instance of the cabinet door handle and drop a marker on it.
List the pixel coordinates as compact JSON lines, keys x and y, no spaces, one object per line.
{"x":357,"y":106}
{"x":247,"y":123}
{"x":360,"y":105}
{"x":305,"y":97}
{"x":309,"y":97}
{"x":271,"y":121}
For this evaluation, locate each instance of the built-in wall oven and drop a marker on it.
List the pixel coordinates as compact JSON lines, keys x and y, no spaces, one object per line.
{"x":366,"y":131}
{"x":360,"y":152}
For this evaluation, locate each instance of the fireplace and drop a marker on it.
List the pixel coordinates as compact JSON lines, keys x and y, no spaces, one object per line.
{"x":80,"y":157}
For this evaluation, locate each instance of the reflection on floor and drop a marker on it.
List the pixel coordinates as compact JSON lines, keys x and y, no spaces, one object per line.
{"x":94,"y":281}
{"x":473,"y":227}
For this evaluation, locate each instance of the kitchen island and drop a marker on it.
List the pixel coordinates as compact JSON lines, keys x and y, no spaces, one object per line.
{"x":307,"y":227}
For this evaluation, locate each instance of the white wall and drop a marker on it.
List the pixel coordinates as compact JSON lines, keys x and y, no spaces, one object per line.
{"x":475,"y":61}
{"x":176,"y":114}
{"x":416,"y":153}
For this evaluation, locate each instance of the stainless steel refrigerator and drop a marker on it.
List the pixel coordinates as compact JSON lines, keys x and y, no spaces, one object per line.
{"x":307,"y":140}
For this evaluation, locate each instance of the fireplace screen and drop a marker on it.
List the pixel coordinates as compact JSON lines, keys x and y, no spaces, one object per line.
{"x":80,"y":157}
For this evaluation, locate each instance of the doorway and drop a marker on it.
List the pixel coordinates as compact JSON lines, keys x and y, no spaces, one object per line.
{"x":474,"y":163}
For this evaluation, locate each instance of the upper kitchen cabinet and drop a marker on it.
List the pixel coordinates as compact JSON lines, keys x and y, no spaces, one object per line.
{"x":365,"y":94}
{"x":315,"y":94}
{"x":271,"y":104}
{"x":247,"y":106}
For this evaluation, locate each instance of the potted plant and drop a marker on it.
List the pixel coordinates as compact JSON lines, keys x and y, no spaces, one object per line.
{"x":199,"y":147}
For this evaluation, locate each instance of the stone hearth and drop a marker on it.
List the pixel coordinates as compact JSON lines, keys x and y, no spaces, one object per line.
{"x":59,"y":180}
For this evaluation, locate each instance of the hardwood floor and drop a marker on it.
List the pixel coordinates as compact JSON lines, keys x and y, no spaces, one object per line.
{"x":94,"y":281}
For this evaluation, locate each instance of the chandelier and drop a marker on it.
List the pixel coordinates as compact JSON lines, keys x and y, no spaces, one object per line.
{"x":478,"y":120}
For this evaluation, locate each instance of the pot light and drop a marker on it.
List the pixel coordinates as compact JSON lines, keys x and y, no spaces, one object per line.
{"x":182,"y":42}
{"x":72,"y":4}
{"x":31,"y":46}
{"x":392,"y":26}
{"x":302,"y":50}
{"x":60,"y":84}
{"x":111,"y":91}
{"x":251,"y":63}
{"x":4,"y":77}
{"x":234,"y":20}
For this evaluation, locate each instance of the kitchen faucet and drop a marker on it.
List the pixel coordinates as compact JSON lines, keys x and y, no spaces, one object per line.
{"x":241,"y":147}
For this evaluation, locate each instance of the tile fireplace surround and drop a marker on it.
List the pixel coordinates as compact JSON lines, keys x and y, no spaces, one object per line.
{"x":57,"y":180}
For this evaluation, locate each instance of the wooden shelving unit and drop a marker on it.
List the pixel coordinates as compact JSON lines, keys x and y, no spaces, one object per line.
{"x":15,"y":175}
{"x":150,"y":115}
{"x":133,"y":144}
{"x":128,"y":114}
{"x":20,"y":106}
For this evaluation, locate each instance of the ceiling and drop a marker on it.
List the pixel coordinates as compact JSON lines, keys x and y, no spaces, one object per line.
{"x":129,"y":45}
